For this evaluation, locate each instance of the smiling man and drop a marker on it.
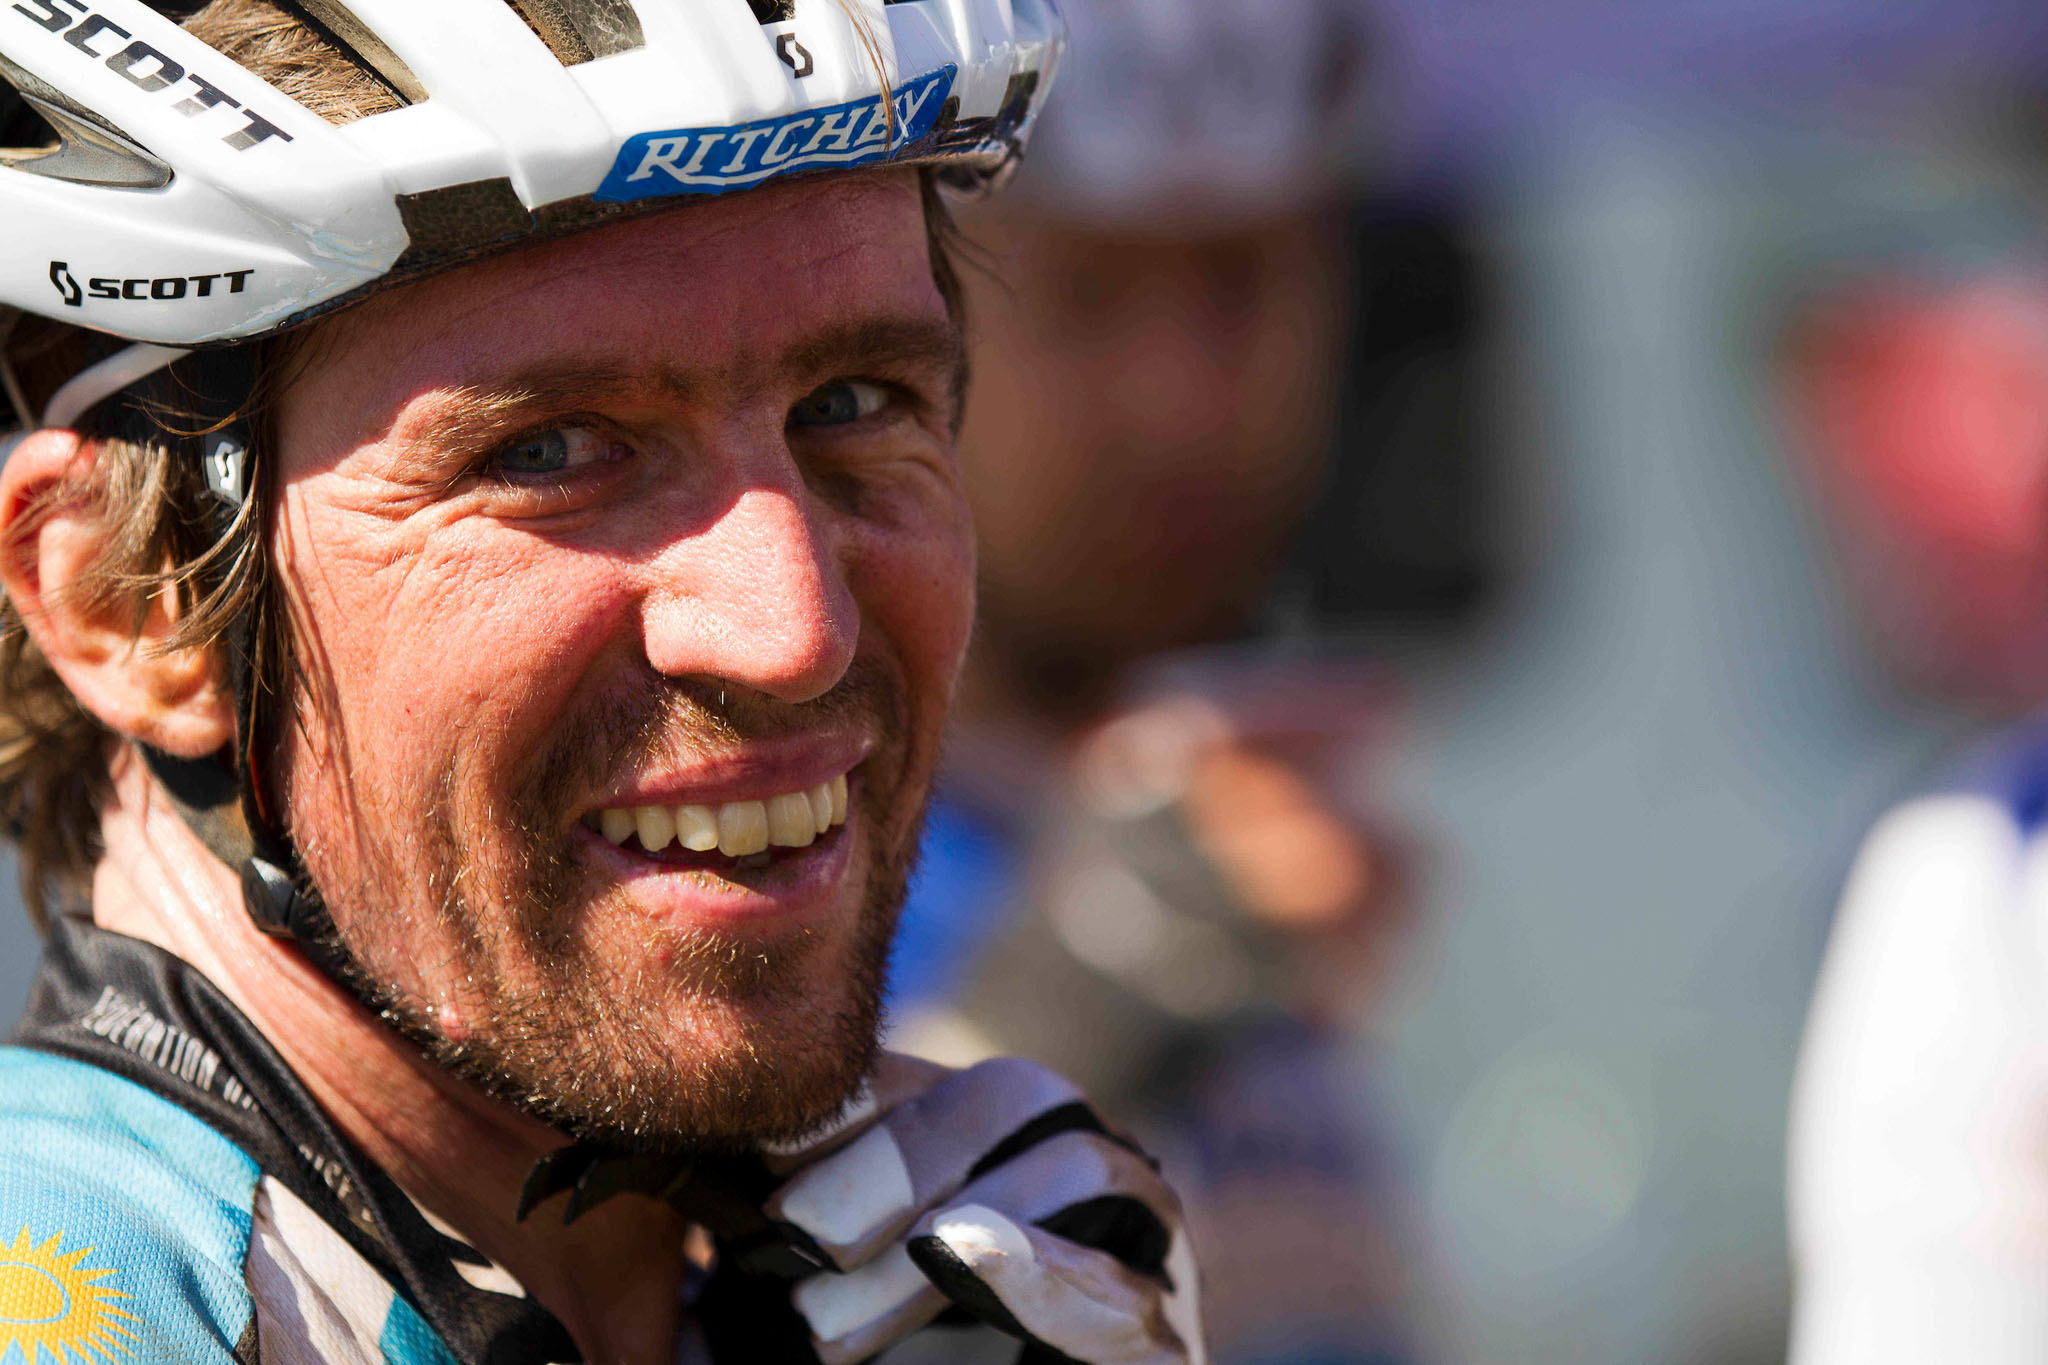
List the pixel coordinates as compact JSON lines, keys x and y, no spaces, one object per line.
{"x":486,"y":571}
{"x":569,"y":579}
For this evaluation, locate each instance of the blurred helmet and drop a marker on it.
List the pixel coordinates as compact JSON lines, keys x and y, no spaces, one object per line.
{"x":1204,"y":110}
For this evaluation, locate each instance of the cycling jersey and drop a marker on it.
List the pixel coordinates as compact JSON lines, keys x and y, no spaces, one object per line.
{"x":173,"y":1194}
{"x":1919,"y":1180}
{"x":169,"y":1191}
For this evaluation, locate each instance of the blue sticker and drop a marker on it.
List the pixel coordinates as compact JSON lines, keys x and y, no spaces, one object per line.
{"x":741,"y":155}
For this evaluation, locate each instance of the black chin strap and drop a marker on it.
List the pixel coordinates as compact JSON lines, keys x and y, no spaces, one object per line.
{"x":720,"y":1192}
{"x":219,"y":796}
{"x":209,"y":799}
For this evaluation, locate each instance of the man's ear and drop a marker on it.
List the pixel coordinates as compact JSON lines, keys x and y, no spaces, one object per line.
{"x":173,"y":701}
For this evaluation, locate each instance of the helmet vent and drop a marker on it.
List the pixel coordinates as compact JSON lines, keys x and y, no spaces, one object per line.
{"x":23,"y":131}
{"x":579,"y":31}
{"x":313,"y":52}
{"x":354,"y":40}
{"x":74,"y":144}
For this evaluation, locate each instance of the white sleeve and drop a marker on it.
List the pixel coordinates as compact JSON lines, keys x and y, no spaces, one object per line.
{"x":317,"y":1301}
{"x":1918,"y":1160}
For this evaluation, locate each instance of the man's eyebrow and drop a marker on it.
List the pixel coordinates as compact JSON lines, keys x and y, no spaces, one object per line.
{"x":880,"y":340}
{"x":471,"y":416}
{"x":886,"y":342}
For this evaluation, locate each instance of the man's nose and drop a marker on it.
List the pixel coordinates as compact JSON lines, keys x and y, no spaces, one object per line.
{"x":758,"y":597}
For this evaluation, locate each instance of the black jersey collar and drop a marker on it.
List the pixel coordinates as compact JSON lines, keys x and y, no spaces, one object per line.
{"x":133,"y":1009}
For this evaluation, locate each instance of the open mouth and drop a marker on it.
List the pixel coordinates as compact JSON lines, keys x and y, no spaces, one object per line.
{"x":733,"y":834}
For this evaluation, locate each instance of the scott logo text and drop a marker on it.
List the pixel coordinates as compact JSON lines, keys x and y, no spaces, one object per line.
{"x":145,"y":68}
{"x":162,"y":288}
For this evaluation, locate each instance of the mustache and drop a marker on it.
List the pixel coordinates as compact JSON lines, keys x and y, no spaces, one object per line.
{"x":657,"y":717}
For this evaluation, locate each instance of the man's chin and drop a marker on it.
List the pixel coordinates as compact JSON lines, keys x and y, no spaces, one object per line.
{"x":750,"y":1045}
{"x":719,"y":1073}
{"x":726,"y":1103}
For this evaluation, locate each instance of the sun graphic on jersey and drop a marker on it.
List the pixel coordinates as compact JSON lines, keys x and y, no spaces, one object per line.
{"x":49,"y":1304}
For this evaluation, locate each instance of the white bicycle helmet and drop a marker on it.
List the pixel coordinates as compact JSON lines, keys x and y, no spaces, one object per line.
{"x":1205,"y":112}
{"x":188,"y":203}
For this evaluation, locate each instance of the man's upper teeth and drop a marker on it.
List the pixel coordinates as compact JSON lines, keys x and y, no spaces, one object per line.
{"x":737,"y":828}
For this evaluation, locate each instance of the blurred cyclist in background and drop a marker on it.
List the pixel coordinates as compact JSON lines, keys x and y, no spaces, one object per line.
{"x":1918,"y":1178}
{"x":1137,"y":867}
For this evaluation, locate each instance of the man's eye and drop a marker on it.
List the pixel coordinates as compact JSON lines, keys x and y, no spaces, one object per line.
{"x":837,"y":403}
{"x":550,"y":452}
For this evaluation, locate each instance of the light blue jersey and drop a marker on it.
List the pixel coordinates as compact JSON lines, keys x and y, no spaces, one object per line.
{"x":170,"y":1193}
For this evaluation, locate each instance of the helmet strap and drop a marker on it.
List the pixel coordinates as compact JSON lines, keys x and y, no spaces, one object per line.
{"x":95,"y":384}
{"x":207,"y":796}
{"x":220,"y":797}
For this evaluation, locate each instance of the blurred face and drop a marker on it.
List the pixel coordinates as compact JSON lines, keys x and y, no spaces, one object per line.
{"x":1150,"y":414}
{"x":630,"y":576}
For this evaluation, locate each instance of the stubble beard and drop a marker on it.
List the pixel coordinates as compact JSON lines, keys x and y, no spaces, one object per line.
{"x":729,"y":1042}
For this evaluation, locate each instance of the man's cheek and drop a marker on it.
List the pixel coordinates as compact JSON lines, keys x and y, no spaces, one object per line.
{"x":494,"y":660}
{"x":929,"y":621}
{"x":925,"y":600}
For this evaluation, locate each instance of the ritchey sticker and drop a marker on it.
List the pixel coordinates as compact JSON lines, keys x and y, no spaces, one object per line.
{"x":741,"y":155}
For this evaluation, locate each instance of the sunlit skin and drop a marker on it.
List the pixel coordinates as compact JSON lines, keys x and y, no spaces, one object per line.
{"x":754,"y":494}
{"x":461,"y":619}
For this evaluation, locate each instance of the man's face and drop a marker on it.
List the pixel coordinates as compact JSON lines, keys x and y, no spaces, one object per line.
{"x":1151,"y":414}
{"x":660,"y":517}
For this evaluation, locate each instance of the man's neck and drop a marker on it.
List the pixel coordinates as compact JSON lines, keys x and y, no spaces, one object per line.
{"x":613,"y":1277}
